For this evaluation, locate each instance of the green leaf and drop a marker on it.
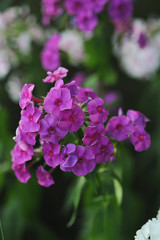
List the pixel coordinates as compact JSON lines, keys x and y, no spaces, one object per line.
{"x":118,"y":191}
{"x":74,"y":198}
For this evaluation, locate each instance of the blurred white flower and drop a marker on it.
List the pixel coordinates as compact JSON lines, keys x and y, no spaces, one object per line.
{"x":72,"y":43}
{"x":138,"y":50}
{"x":23,"y":42}
{"x":4,"y":63}
{"x":13,"y":87}
{"x":150,"y":230}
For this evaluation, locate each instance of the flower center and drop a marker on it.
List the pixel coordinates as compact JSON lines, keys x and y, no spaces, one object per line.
{"x":119,"y":127}
{"x":50,"y":153}
{"x":99,"y":109}
{"x":30,"y":117}
{"x":102,"y":148}
{"x":141,"y":137}
{"x":58,"y":102}
{"x":71,"y":118}
{"x":80,"y":159}
{"x":51,"y":130}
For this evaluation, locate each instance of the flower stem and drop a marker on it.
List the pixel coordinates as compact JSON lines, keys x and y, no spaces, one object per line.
{"x":37,"y":99}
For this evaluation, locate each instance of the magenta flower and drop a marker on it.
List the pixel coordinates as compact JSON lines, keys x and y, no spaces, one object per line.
{"x":69,"y":157}
{"x":102,"y":149}
{"x":50,"y":10}
{"x":50,"y":130}
{"x":57,"y":100}
{"x":75,"y":6}
{"x":137,"y":118}
{"x":86,"y":21}
{"x":56,"y":75}
{"x":93,"y":133}
{"x":30,"y":119}
{"x":51,"y":154}
{"x":120,"y":9}
{"x":97,"y":5}
{"x":26,"y":95}
{"x":44,"y":178}
{"x":142,"y":40}
{"x":21,"y":154}
{"x":71,"y":87}
{"x":119,"y":128}
{"x":50,"y":58}
{"x":85,"y":94}
{"x":21,"y":172}
{"x":86,"y":161}
{"x":25,"y":137}
{"x":71,"y":120}
{"x":140,"y":139}
{"x":97,"y":111}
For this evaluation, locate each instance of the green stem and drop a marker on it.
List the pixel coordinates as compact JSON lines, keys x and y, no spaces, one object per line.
{"x":1,"y":230}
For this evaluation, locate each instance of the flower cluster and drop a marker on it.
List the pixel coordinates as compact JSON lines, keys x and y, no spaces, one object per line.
{"x":150,"y":230}
{"x":70,"y":42}
{"x":68,"y":129}
{"x":138,"y":50}
{"x":85,"y":12}
{"x":120,"y":12}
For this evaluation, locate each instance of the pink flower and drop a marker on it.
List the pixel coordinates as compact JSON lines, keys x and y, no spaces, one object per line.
{"x":97,"y":111}
{"x":57,"y":100}
{"x":26,"y":95}
{"x":72,"y":119}
{"x":44,"y":178}
{"x":56,"y":75}
{"x":21,"y":172}
{"x":30,"y":119}
{"x":140,"y":139}
{"x":21,"y":154}
{"x":51,"y":154}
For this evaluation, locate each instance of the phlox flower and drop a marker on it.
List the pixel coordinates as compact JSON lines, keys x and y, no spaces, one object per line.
{"x":21,"y":172}
{"x":30,"y":119}
{"x":119,"y":128}
{"x":26,"y":95}
{"x":22,"y":154}
{"x":56,"y":75}
{"x":93,"y":133}
{"x":44,"y":178}
{"x":57,"y":100}
{"x":69,"y":157}
{"x":51,"y":154}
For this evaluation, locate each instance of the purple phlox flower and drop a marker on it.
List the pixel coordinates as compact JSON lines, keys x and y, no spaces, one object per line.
{"x":111,"y":97}
{"x":69,"y":157}
{"x":57,"y":100}
{"x":119,"y":127}
{"x":86,"y":21}
{"x":137,"y":118}
{"x":97,"y":5}
{"x":26,"y":95}
{"x":50,"y":130}
{"x":30,"y":119}
{"x":51,"y":154}
{"x":50,"y":58}
{"x":93,"y":133}
{"x":97,"y":111}
{"x":50,"y":10}
{"x":142,"y":40}
{"x":21,"y":172}
{"x":120,"y":9}
{"x":71,"y":86}
{"x":56,"y":75}
{"x":85,"y":94}
{"x":103,"y":148}
{"x":71,"y":120}
{"x":74,"y":7}
{"x":86,"y":161}
{"x":25,"y":137}
{"x":22,"y":153}
{"x":79,"y":78}
{"x":44,"y":177}
{"x":140,"y":139}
